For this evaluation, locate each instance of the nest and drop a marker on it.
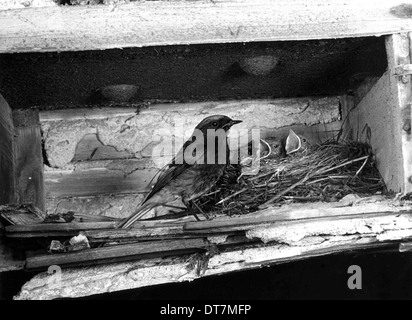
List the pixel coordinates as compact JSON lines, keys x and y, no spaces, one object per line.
{"x":326,"y":173}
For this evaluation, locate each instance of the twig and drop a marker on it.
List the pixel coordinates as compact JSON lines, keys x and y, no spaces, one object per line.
{"x":360,"y":169}
{"x":317,"y":180}
{"x":265,"y":205}
{"x":232,"y":195}
{"x":209,"y":194}
{"x":266,"y":185}
{"x":263,"y":175}
{"x":302,"y":198}
{"x":309,"y":175}
{"x":344,"y":164}
{"x":328,"y":178}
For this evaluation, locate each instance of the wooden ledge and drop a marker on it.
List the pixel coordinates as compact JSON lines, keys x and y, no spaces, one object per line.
{"x":276,"y":235}
{"x":151,"y":23}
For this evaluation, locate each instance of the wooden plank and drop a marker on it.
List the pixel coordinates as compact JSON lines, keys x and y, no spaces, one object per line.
{"x":7,"y":180}
{"x":149,"y":23}
{"x":112,"y":205}
{"x":100,"y":229}
{"x":7,"y":154}
{"x":371,"y":207}
{"x":96,"y":181}
{"x":378,"y":119}
{"x":116,"y":253}
{"x":134,"y":233}
{"x":106,"y":225}
{"x":61,"y":227}
{"x":290,"y":214}
{"x":405,"y":97}
{"x":21,"y":219}
{"x":154,"y":230}
{"x":399,"y":49}
{"x":375,"y":121}
{"x":406,"y":113}
{"x":29,"y":158}
{"x":81,"y":282}
{"x":309,"y":239}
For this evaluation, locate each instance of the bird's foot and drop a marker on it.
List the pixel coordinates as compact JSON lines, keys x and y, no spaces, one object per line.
{"x":204,"y":213}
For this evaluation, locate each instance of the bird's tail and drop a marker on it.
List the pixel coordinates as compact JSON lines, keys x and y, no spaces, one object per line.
{"x":138,"y":214}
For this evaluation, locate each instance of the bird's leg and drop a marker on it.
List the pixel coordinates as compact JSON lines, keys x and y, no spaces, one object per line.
{"x":204,"y":213}
{"x":189,"y":207}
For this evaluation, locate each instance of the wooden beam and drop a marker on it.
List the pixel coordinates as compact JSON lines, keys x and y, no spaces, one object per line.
{"x":187,"y":226}
{"x":379,"y":118}
{"x":112,"y":205}
{"x":399,"y":52}
{"x":307,"y":238}
{"x":21,"y":159}
{"x":288,"y":214}
{"x":29,"y":158}
{"x":301,"y":231}
{"x":149,"y":23}
{"x":96,"y":181}
{"x":80,"y":282}
{"x":373,"y":121}
{"x":117,"y":253}
{"x":7,"y":154}
{"x":50,"y":229}
{"x":7,"y":181}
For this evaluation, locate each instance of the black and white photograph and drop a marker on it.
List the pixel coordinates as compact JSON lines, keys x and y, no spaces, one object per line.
{"x":200,"y":156}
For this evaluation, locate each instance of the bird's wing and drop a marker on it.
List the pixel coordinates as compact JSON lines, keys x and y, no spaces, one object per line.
{"x":167,"y":175}
{"x":172,"y":170}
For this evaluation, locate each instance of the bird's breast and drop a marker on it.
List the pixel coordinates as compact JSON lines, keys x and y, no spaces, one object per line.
{"x":200,"y":179}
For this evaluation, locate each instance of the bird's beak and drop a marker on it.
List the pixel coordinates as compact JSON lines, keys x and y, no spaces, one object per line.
{"x":233,"y":122}
{"x":228,"y":125}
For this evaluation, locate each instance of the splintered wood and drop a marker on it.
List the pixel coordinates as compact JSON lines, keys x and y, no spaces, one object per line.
{"x":7,"y":154}
{"x":73,"y":28}
{"x":29,"y":158}
{"x":225,"y":244}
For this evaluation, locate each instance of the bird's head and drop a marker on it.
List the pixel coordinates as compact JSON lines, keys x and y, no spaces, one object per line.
{"x":216,"y":122}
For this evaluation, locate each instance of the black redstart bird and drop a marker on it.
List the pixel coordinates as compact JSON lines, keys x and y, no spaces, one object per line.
{"x":195,"y":169}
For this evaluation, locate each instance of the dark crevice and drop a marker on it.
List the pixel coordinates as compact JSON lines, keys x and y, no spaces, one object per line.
{"x":44,"y":153}
{"x":190,"y":73}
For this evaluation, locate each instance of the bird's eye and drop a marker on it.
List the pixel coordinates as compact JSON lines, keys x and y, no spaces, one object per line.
{"x":214,"y":124}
